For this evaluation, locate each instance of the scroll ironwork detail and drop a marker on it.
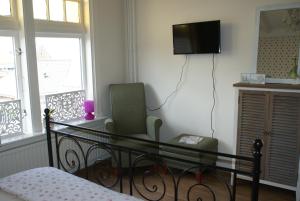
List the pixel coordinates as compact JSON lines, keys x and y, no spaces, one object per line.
{"x":151,"y":192}
{"x":11,"y":117}
{"x":66,"y":106}
{"x":73,"y":156}
{"x":106,"y":171}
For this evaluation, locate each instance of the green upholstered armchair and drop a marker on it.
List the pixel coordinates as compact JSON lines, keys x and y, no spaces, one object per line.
{"x":129,"y":116}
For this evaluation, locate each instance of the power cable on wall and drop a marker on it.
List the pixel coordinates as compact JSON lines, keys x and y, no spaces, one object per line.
{"x":176,"y":88}
{"x":214,"y":96}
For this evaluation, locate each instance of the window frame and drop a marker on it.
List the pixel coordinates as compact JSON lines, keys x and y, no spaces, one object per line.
{"x":9,"y":27}
{"x":64,"y":29}
{"x":81,"y":38}
{"x":22,"y":26}
{"x":17,"y":60}
{"x":18,"y":76}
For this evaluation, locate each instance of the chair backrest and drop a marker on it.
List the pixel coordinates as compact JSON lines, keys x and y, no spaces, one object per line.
{"x":128,"y":108}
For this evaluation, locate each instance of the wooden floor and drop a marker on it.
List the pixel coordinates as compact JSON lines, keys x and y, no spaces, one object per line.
{"x":153,"y":183}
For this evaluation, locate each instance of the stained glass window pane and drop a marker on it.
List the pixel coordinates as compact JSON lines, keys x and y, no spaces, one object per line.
{"x":72,"y":11}
{"x":56,"y":8}
{"x":5,"y":8}
{"x":40,"y":9}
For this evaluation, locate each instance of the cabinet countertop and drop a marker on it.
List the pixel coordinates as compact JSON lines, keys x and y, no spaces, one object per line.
{"x":268,"y":85}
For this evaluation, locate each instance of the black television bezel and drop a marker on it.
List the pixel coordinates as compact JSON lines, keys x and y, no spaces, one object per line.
{"x":217,"y":21}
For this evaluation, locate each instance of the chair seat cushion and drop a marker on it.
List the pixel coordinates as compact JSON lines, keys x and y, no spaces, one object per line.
{"x":207,"y":143}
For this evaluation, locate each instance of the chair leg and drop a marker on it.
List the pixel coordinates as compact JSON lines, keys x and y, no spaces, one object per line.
{"x":199,"y":176}
{"x":116,"y":172}
{"x":155,"y":168}
{"x":165,"y":169}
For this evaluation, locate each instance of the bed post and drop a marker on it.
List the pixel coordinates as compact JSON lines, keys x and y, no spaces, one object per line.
{"x":48,"y":132}
{"x":256,"y":169}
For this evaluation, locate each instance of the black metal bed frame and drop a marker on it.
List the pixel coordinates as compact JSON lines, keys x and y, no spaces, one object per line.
{"x":72,"y":158}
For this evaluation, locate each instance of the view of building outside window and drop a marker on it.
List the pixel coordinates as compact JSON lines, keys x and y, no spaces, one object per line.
{"x":8,"y":81}
{"x":59,"y":65}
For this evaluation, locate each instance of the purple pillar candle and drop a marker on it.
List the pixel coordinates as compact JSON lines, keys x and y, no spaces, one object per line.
{"x":89,"y":109}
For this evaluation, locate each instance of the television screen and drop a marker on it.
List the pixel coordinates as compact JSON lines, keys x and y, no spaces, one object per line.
{"x":197,"y":38}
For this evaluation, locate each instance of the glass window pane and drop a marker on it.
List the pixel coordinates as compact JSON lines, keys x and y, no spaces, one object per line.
{"x":8,"y":81}
{"x":56,"y":8}
{"x":40,"y":9}
{"x":5,"y":8}
{"x":59,"y":65}
{"x":72,"y":11}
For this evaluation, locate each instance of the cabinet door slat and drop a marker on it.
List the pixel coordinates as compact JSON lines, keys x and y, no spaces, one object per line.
{"x":275,"y":118}
{"x":282,"y":157}
{"x":252,"y":117}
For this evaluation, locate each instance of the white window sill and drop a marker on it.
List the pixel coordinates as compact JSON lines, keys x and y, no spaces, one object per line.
{"x":96,"y":123}
{"x":26,"y":139}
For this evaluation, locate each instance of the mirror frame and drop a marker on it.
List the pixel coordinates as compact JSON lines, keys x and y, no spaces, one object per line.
{"x":256,"y":41}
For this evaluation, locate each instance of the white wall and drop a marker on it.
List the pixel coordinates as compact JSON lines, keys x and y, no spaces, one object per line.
{"x":159,"y":69}
{"x":108,"y":33}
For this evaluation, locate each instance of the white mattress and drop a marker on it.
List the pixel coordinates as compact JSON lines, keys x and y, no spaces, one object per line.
{"x":4,"y":196}
{"x":51,"y":184}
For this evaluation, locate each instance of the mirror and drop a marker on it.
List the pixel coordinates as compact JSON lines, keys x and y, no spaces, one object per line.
{"x":279,"y":42}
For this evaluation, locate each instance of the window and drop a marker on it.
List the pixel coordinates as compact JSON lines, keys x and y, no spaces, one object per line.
{"x":59,"y":69}
{"x":8,"y":76}
{"x":60,"y":49}
{"x":40,"y":9}
{"x":72,"y":11}
{"x":57,"y":10}
{"x":11,"y":106}
{"x":5,"y":8}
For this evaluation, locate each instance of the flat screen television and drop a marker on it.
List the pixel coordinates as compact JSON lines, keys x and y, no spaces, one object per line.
{"x":197,"y":38}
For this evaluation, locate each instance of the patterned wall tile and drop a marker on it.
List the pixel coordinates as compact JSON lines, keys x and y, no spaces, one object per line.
{"x":276,"y":55}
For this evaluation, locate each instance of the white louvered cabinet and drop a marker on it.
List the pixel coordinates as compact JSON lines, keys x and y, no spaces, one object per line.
{"x":275,"y":118}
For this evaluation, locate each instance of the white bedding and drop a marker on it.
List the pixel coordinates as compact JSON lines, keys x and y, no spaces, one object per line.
{"x":4,"y":196}
{"x":51,"y":184}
